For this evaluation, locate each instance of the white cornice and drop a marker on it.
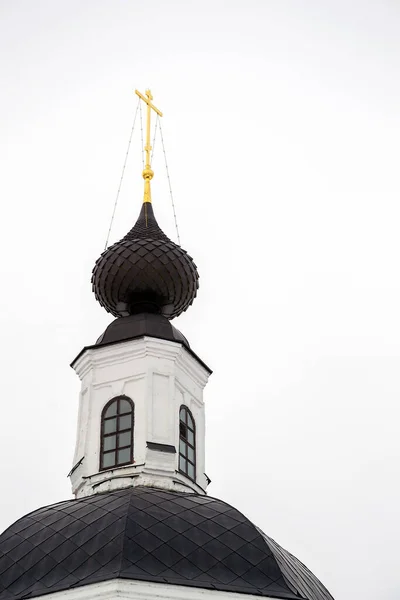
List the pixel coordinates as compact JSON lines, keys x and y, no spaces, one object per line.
{"x":144,"y":590}
{"x":117,"y":354}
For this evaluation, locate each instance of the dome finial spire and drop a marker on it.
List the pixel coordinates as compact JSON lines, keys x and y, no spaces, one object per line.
{"x":147,"y":171}
{"x":145,"y":272}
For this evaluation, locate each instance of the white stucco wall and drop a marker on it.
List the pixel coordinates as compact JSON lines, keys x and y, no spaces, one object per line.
{"x":159,"y":376}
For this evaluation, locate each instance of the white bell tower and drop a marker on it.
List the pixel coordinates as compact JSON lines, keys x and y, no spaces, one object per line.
{"x":159,"y":377}
{"x":141,"y":412}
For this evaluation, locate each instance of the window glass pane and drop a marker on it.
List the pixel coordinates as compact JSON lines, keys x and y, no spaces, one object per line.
{"x":111,"y":410}
{"x":190,"y":437}
{"x":109,"y":442}
{"x":182,"y":464}
{"x":109,"y":459}
{"x":187,"y":441}
{"x":110,"y":425}
{"x":125,"y":422}
{"x":124,"y":406}
{"x":183,"y":430}
{"x":182,"y":447}
{"x":124,"y":439}
{"x":124,"y":456}
{"x":190,"y":471}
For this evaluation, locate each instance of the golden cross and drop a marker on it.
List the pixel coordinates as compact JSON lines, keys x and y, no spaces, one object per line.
{"x":147,"y":172}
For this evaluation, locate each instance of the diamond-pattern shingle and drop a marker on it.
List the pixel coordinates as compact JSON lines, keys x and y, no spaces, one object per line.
{"x":144,"y":268}
{"x":151,"y":535}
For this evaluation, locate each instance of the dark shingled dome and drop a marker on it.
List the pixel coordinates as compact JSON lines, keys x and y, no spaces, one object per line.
{"x":145,"y":272}
{"x":149,"y":535}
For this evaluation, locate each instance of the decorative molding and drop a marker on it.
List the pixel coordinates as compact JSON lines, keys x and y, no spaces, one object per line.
{"x":124,"y":352}
{"x":103,"y":384}
{"x":123,"y":589}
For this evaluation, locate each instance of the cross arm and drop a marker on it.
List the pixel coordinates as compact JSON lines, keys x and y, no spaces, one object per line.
{"x":147,"y":100}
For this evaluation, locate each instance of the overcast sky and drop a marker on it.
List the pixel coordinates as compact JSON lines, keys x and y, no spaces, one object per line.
{"x":281,"y":125}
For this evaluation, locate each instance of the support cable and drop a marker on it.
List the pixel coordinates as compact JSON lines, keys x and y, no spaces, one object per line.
{"x":122,"y":176}
{"x":141,"y":130}
{"x":154,"y":141}
{"x":169,"y":181}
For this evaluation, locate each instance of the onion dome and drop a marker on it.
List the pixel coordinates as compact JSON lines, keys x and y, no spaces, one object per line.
{"x":148,"y":535}
{"x":145,"y":272}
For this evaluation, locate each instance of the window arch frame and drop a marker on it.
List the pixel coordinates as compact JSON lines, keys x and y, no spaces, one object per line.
{"x":119,"y":429}
{"x":185,"y":446}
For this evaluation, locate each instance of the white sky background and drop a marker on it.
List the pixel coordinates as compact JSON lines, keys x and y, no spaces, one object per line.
{"x":281,"y":123}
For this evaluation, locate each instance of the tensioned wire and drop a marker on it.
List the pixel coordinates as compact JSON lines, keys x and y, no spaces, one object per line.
{"x":122,"y":175}
{"x":154,"y":141}
{"x":157,"y":124}
{"x":169,"y":181}
{"x":141,"y":130}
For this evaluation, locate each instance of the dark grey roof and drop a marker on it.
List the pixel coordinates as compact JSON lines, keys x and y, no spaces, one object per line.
{"x":145,"y":271}
{"x":138,"y":326}
{"x":149,"y":535}
{"x":134,"y":326}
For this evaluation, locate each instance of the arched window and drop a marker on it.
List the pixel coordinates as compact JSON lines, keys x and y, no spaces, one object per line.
{"x":116,"y":443}
{"x":187,"y":443}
